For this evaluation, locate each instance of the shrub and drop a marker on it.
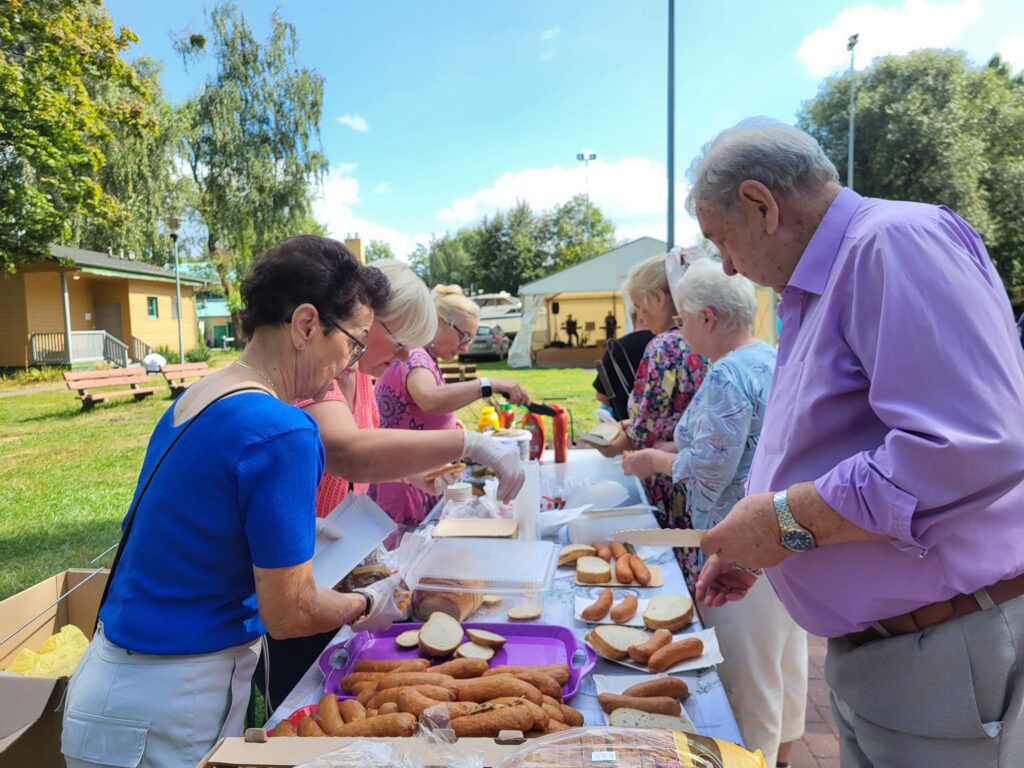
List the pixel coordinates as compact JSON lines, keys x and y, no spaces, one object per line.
{"x":170,"y":355}
{"x":199,"y":353}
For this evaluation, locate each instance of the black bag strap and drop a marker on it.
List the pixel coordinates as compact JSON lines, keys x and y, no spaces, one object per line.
{"x":138,"y":499}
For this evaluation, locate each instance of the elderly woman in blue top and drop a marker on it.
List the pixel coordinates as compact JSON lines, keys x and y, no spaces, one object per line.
{"x":765,"y":669}
{"x":220,"y":548}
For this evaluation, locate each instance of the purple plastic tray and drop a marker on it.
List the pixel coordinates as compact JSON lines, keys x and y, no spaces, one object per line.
{"x":526,"y":645}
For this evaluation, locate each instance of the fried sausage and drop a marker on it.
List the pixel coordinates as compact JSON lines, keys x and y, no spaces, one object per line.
{"x":387,"y":708}
{"x":543,"y":683}
{"x":486,"y":688}
{"x":602,"y":551}
{"x":659,"y":705}
{"x":461,"y":669}
{"x":414,"y":702}
{"x":328,"y":715}
{"x":435,"y":692}
{"x":623,"y":570}
{"x":402,"y":679}
{"x":308,"y":727}
{"x":284,"y":728}
{"x":673,"y":653}
{"x":349,"y":681}
{"x":642,"y":652}
{"x":625,"y":610}
{"x":573,"y":717}
{"x":395,"y":724}
{"x":599,"y":608}
{"x":540,"y":715}
{"x":558,"y":671}
{"x":351,"y":710}
{"x":491,"y":723}
{"x":641,"y":572}
{"x":662,"y":686}
{"x":398,"y":665}
{"x":618,"y":549}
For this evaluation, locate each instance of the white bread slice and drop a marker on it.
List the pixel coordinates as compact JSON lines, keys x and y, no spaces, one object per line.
{"x":483,"y":637}
{"x":612,"y":641}
{"x":593,"y":570}
{"x":440,"y":635}
{"x":637,"y":718}
{"x":670,"y":612}
{"x":573,"y":552}
{"x":525,"y":611}
{"x":601,"y":433}
{"x":408,"y":639}
{"x":474,"y":651}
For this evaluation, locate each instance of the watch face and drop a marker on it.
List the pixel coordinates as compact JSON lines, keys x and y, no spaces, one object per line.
{"x":797,"y":540}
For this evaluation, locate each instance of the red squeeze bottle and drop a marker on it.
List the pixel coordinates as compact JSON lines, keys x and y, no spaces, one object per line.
{"x":560,"y":433}
{"x":533,"y":424}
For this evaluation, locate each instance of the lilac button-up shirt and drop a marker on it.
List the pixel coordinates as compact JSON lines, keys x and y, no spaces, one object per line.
{"x":899,"y":391}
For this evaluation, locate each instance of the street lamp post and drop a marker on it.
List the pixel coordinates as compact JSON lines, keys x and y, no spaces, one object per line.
{"x":585,"y":157}
{"x":172,"y":225}
{"x":850,"y":45}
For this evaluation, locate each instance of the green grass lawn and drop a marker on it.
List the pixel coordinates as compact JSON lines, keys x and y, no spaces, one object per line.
{"x":67,"y":477}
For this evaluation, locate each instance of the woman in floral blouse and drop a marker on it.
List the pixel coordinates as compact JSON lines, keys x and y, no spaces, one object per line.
{"x":666,"y":380}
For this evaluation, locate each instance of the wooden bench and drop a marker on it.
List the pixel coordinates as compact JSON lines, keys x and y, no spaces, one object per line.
{"x":87,"y":381}
{"x":455,"y":372}
{"x":180,"y":375}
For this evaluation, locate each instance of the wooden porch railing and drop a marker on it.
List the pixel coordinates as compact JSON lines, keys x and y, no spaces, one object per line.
{"x":139,"y":349}
{"x":49,"y":348}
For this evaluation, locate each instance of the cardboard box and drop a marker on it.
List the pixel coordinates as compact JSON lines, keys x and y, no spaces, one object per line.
{"x":30,"y":723}
{"x":285,"y":753}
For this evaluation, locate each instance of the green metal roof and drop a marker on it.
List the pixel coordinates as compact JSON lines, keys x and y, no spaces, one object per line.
{"x":95,"y":263}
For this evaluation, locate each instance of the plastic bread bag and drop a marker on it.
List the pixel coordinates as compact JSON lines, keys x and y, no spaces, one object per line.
{"x":630,"y":748}
{"x":361,"y":753}
{"x":428,"y":748}
{"x":488,"y":504}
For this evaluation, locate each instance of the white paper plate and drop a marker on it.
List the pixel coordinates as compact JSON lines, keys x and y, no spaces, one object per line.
{"x":585,"y":600}
{"x":712,"y":654}
{"x":619,"y":683}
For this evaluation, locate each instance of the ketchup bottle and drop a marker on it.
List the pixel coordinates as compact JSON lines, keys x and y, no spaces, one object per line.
{"x":533,"y":424}
{"x":560,"y":433}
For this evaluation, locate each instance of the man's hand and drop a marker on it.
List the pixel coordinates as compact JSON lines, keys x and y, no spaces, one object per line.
{"x":719,"y":583}
{"x":749,"y":535}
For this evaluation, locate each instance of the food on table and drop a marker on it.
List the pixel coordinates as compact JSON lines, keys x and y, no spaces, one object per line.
{"x":613,"y":641}
{"x":659,"y":705}
{"x":623,"y":569}
{"x":598,"y":609}
{"x":625,"y":610}
{"x":382,"y":665}
{"x":483,"y":689}
{"x":491,"y":722}
{"x":558,"y":671}
{"x":626,"y":717}
{"x":440,"y":635}
{"x":543,"y":682}
{"x":673,"y":653}
{"x":387,"y":708}
{"x":414,"y":702}
{"x":401,"y":679}
{"x":436,"y":692}
{"x":642,"y":652}
{"x":363,"y":576}
{"x":328,"y":715}
{"x":448,"y":469}
{"x":525,"y":611}
{"x":573,"y":717}
{"x":308,"y":727}
{"x":618,"y":549}
{"x":484,"y":637}
{"x":351,"y":710}
{"x":461,"y":668}
{"x":408,"y":639}
{"x":541,"y":719}
{"x":670,"y":612}
{"x":349,"y":681}
{"x":457,"y":604}
{"x":593,"y":570}
{"x":284,"y":728}
{"x":603,"y":551}
{"x":641,"y":572}
{"x":573,"y":552}
{"x":474,"y":652}
{"x":660,"y":686}
{"x":394,"y":724}
{"x":492,"y":600}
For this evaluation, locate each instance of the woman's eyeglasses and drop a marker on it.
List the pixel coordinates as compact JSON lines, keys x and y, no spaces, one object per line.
{"x":677,"y":321}
{"x":360,"y":346}
{"x":463,"y":336}
{"x":399,"y":346}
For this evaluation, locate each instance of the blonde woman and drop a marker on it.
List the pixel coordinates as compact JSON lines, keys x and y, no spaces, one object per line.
{"x":412,"y":394}
{"x":666,"y":380}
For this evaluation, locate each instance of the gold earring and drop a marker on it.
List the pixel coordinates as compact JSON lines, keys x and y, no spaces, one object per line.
{"x":301,"y":345}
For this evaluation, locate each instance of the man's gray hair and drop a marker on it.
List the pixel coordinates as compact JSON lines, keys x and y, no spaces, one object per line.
{"x":733,"y":300}
{"x":781,"y":157}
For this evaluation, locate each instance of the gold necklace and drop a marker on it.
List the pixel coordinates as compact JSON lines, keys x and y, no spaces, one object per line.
{"x":259,"y":373}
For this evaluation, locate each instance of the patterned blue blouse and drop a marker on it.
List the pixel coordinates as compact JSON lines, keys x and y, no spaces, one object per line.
{"x":718,"y":433}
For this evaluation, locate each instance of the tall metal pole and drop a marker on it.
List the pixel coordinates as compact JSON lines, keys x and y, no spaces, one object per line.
{"x":850,"y":45}
{"x":177,"y":293}
{"x":586,"y":174}
{"x":670,"y":239}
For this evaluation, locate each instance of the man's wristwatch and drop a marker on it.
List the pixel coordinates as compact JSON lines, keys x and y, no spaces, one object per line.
{"x":794,"y":537}
{"x":485,"y":388}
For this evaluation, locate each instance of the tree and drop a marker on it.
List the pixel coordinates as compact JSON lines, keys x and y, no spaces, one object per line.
{"x":563,"y":233}
{"x":252,"y":141}
{"x":53,"y":55}
{"x":934,"y":128}
{"x":508,"y":251}
{"x":377,"y":250}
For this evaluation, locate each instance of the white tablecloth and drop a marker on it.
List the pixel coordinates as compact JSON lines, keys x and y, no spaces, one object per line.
{"x":707,"y":704}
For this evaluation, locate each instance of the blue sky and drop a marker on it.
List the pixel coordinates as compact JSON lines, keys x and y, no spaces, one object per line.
{"x":436,"y":114}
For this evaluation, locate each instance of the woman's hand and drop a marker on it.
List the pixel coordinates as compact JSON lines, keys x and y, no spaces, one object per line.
{"x":619,"y":444}
{"x":436,"y":486}
{"x":390,"y":600}
{"x":640,"y":463}
{"x":516,"y":394}
{"x":501,"y":457}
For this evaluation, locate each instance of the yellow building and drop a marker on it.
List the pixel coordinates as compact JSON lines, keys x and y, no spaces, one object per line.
{"x":103,"y":308}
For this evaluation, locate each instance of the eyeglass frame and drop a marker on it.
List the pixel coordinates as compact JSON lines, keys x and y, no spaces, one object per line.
{"x":399,"y":346}
{"x":361,"y":346}
{"x":464,"y":338}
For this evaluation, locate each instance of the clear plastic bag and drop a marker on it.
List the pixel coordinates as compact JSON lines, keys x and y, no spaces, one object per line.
{"x":431,"y":747}
{"x":486,"y":506}
{"x":630,"y":748}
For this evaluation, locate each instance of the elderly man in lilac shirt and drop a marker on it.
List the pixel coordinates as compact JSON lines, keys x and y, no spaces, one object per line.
{"x":886,"y":498}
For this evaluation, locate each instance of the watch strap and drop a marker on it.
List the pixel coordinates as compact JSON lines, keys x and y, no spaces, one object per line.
{"x":485,"y":387}
{"x":369,"y":601}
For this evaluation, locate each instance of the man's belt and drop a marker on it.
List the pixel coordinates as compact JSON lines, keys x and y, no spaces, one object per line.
{"x":956,"y":607}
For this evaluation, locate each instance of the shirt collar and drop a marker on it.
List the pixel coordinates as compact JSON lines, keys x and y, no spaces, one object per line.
{"x":816,"y":261}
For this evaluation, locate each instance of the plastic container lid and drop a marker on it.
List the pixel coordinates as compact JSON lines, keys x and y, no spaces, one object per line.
{"x":485,"y":565}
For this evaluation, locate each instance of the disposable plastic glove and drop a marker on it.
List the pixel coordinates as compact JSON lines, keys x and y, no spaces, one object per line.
{"x":390,"y":602}
{"x":501,"y":457}
{"x":436,"y":486}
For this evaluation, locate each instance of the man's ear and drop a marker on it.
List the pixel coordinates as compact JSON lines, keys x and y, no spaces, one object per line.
{"x":758,"y":203}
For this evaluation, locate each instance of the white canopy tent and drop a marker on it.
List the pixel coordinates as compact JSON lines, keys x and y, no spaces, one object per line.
{"x":601,"y":274}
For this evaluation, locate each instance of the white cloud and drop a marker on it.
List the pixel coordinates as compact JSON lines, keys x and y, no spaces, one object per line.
{"x":548,"y":37}
{"x":382,"y":188}
{"x":548,"y":55}
{"x":892,"y":30}
{"x":336,"y":206}
{"x":1012,"y":50}
{"x":355,"y":122}
{"x":550,"y":34}
{"x":630,"y":192}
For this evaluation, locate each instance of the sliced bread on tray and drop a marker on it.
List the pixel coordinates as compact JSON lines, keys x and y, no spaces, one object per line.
{"x":440,"y":636}
{"x":593,"y":570}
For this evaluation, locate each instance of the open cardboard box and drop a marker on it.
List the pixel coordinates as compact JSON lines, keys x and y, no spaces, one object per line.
{"x":30,"y":720}
{"x":285,"y":753}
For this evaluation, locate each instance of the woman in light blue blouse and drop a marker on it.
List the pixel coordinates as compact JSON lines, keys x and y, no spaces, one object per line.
{"x":765,"y":668}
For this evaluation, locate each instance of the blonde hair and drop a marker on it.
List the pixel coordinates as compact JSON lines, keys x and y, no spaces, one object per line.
{"x":409,"y":313}
{"x":452,"y":304}
{"x":733,"y":300}
{"x":648,"y":279}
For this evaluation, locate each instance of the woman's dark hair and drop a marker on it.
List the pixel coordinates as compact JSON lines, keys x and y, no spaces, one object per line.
{"x":309,"y":270}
